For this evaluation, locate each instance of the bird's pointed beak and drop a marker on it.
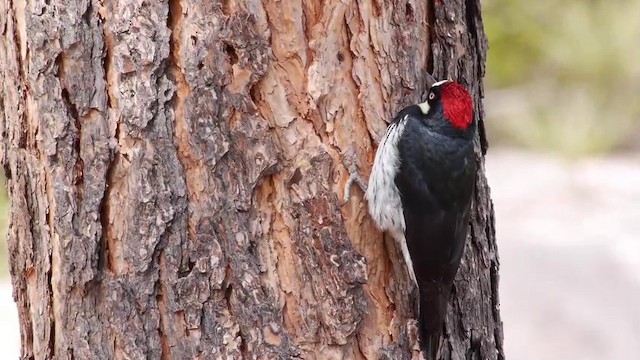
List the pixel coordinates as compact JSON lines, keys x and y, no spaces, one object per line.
{"x":430,"y":80}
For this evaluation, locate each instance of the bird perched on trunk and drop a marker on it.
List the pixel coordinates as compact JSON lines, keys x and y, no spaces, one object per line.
{"x":420,"y":191}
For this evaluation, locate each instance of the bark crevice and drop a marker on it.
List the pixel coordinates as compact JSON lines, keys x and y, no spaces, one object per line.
{"x":18,"y":28}
{"x":163,"y":309}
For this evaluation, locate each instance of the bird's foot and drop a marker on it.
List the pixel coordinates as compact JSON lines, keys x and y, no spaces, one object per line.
{"x":349,"y":158}
{"x":354,"y":177}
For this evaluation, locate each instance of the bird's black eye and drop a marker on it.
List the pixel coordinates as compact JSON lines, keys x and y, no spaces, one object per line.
{"x":432,"y":96}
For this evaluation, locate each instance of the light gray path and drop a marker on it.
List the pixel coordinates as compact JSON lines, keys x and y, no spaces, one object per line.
{"x":9,"y":330}
{"x":569,"y":242}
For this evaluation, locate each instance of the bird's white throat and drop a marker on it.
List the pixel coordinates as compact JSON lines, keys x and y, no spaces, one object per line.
{"x":424,"y":107}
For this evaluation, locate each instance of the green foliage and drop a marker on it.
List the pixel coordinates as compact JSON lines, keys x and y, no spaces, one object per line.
{"x":515,"y":37}
{"x":563,"y":76}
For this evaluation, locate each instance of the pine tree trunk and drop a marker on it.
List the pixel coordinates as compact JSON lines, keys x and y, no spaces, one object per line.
{"x":175,"y":171}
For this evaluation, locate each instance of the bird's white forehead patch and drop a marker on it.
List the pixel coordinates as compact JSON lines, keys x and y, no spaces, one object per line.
{"x":440,"y":83}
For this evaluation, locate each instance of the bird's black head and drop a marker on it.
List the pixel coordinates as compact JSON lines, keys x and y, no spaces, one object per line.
{"x":451,"y":102}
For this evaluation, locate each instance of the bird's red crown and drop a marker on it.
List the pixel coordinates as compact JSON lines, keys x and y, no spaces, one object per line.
{"x":457,"y":104}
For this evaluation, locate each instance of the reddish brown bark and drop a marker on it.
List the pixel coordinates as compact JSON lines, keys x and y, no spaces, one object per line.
{"x":174,"y":171}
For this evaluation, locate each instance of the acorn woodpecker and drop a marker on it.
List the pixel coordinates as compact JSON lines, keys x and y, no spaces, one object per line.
{"x":420,"y":191}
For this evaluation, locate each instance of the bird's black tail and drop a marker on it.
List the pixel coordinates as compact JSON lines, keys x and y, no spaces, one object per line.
{"x":432,"y":345}
{"x":432,"y":311}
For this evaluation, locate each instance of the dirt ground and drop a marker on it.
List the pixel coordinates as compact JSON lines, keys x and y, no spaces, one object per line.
{"x":569,"y":242}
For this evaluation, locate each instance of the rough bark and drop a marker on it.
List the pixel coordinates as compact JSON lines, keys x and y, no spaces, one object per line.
{"x":174,"y":169}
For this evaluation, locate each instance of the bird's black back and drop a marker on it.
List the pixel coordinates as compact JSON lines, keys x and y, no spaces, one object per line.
{"x":436,"y":181}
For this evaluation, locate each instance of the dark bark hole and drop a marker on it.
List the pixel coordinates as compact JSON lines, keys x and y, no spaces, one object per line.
{"x":7,"y":170}
{"x":340,"y":57}
{"x":243,"y":344}
{"x":254,"y":92}
{"x":409,"y":12}
{"x":103,"y":253}
{"x":200,"y":65}
{"x":59,"y":67}
{"x":106,"y":63}
{"x":296,"y":177}
{"x":70,"y":106}
{"x":186,"y":268}
{"x":231,"y":53}
{"x":227,"y":293}
{"x":88,"y":14}
{"x":474,"y":352}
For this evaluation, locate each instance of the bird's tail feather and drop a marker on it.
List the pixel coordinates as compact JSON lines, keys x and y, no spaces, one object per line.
{"x":432,"y":345}
{"x":432,"y":312}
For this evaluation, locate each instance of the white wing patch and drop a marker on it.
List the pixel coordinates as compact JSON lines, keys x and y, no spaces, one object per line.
{"x":382,"y":193}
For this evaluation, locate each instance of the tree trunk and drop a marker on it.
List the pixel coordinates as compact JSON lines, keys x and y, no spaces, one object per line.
{"x":175,"y":169}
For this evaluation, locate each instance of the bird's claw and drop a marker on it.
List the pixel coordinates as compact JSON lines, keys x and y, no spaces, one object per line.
{"x":353,"y":177}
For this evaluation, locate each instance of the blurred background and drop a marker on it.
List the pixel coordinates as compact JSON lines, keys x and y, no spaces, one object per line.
{"x":563,"y":118}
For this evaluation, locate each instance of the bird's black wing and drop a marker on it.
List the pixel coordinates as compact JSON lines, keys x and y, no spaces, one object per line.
{"x":436,"y":195}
